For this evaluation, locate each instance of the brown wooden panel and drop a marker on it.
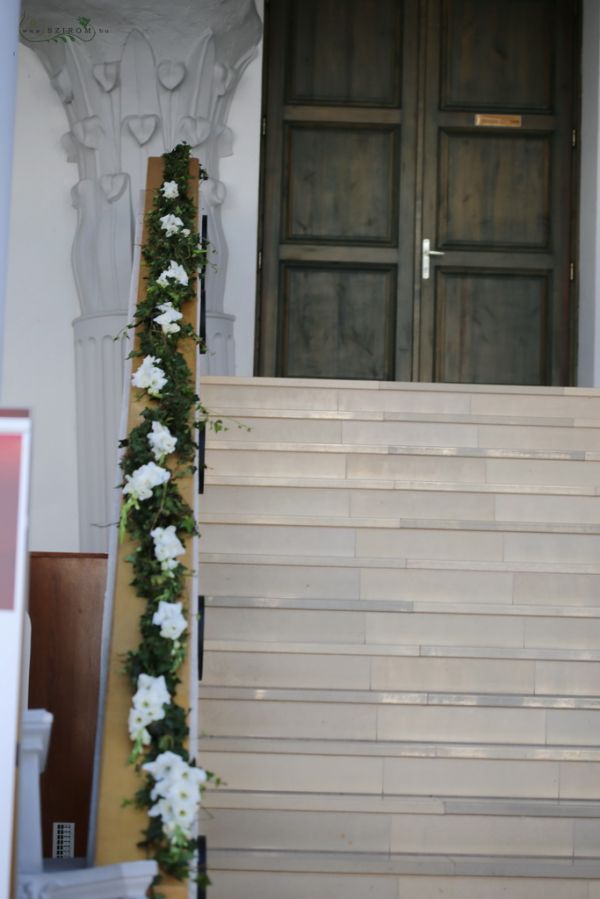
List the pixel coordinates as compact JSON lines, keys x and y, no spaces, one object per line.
{"x":66,"y":596}
{"x":498,"y":54}
{"x":491,"y":328}
{"x":494,"y":190}
{"x":360,"y":115}
{"x":338,"y":322}
{"x":331,"y":48}
{"x":341,"y":184}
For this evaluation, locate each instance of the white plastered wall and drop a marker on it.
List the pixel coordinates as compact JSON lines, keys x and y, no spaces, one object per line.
{"x":41,"y":303}
{"x":240,"y":173}
{"x":589,"y":232}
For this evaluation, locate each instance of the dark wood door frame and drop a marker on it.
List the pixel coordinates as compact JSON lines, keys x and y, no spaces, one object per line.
{"x":414,"y":333}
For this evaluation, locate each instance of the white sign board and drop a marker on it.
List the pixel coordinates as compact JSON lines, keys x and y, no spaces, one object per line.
{"x":15,"y":439}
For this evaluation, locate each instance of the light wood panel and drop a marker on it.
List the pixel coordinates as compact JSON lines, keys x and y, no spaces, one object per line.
{"x":119,"y":829}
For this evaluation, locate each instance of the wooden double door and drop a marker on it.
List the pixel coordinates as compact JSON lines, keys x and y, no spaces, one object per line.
{"x":396,"y":125}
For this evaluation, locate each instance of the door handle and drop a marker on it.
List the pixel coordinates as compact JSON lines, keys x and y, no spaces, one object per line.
{"x":427,"y":252}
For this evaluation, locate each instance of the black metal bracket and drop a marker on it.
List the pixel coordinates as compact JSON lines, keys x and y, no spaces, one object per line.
{"x":200,"y":636}
{"x":201,"y":458}
{"x":202,"y":868}
{"x":204,"y":240}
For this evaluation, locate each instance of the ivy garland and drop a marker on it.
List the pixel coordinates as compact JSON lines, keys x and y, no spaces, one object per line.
{"x":158,"y":452}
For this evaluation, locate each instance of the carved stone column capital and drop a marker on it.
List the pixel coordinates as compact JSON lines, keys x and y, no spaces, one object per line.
{"x":136,"y":78}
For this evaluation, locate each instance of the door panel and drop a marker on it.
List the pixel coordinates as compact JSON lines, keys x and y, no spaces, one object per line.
{"x":389,"y":122}
{"x":330,"y":332}
{"x":496,"y":192}
{"x":341,"y":184}
{"x":491,"y":328}
{"x":498,"y":54}
{"x":341,"y":139}
{"x":332,"y":46}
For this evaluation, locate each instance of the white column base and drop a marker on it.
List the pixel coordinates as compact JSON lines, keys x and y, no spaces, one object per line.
{"x":128,"y":880}
{"x":35,"y":738}
{"x":220,"y":358}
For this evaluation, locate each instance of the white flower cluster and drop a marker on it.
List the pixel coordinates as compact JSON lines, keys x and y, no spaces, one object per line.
{"x":167,"y":546}
{"x":168,"y":318}
{"x":175,"y":272}
{"x":144,"y":479}
{"x":150,"y":376}
{"x":176,"y":793}
{"x":170,"y":223}
{"x":169,"y":618}
{"x":148,"y":705}
{"x":161,"y":441}
{"x":169,"y":190}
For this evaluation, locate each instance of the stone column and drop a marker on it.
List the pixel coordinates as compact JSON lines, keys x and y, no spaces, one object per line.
{"x":135,"y":81}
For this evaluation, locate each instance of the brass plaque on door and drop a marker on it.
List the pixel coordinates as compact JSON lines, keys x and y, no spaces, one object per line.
{"x":498,"y":121}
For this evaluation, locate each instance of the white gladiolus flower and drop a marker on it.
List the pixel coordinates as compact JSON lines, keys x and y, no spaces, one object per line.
{"x":186,"y":232}
{"x":169,"y":190}
{"x":137,"y":722}
{"x":164,"y":765}
{"x":170,"y":619}
{"x":162,"y":808}
{"x":153,"y":688}
{"x":170,"y":223}
{"x":174,"y":272}
{"x":168,"y":318}
{"x":144,"y":479}
{"x":147,"y":706}
{"x":176,"y":793}
{"x":161,"y":441}
{"x":195,"y":776}
{"x":149,"y":376}
{"x":167,"y":546}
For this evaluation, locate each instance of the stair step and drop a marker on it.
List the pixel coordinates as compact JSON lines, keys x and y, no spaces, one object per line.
{"x":296,"y":875}
{"x":496,"y":701}
{"x":253,"y":520}
{"x":404,"y":805}
{"x":235,"y":418}
{"x":401,"y":768}
{"x":408,"y":651}
{"x":420,"y":539}
{"x":433,"y":626}
{"x":407,"y":749}
{"x":435,"y":464}
{"x":367,"y":429}
{"x":474,"y":607}
{"x":537,"y":583}
{"x":446,"y":450}
{"x":330,"y":831}
{"x":357,"y":505}
{"x":457,"y":722}
{"x":214,"y":481}
{"x":306,"y":394}
{"x":489,"y":670}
